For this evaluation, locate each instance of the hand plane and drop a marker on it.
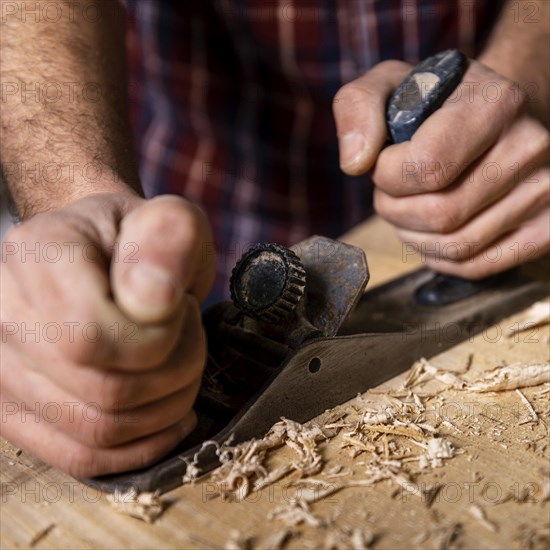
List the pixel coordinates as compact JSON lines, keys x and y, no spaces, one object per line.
{"x":301,"y":336}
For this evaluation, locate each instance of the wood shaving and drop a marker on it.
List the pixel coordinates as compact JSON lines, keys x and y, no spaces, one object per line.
{"x":242,"y":466}
{"x":537,"y":315}
{"x":437,"y":450}
{"x":542,"y":392}
{"x":238,"y":541}
{"x":346,"y":539}
{"x":532,"y":413}
{"x":294,"y":514}
{"x":449,"y":424}
{"x":361,"y":538}
{"x":405,"y":431}
{"x":377,"y":418}
{"x":336,"y":472}
{"x":193,"y":472}
{"x":512,"y":377}
{"x":145,"y":506}
{"x":38,"y":537}
{"x":449,"y":536}
{"x":276,"y":540}
{"x":532,"y":538}
{"x":422,"y":371}
{"x":544,"y":486}
{"x":478,"y":513}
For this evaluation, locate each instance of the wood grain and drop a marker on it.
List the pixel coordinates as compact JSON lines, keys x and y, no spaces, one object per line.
{"x":43,"y":506}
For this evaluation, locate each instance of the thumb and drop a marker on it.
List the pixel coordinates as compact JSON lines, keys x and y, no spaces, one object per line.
{"x":360,"y":113}
{"x":161,"y":256}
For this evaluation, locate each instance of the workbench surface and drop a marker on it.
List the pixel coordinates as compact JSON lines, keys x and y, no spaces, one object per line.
{"x":493,"y":493}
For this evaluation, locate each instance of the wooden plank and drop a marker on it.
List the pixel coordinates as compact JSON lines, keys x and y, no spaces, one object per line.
{"x":500,"y":459}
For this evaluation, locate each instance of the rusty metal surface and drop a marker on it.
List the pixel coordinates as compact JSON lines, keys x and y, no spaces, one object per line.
{"x":337,"y":274}
{"x":251,"y":381}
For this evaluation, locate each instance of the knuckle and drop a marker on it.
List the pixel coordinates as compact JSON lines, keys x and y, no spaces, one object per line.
{"x":173,"y":214}
{"x":79,"y":350}
{"x":179,"y":220}
{"x":382,"y":204}
{"x":474,"y":270}
{"x":160,"y":346}
{"x":115,"y":391}
{"x":441,"y":215}
{"x":541,"y":140}
{"x":513,"y":97}
{"x":351,"y":94}
{"x":101,"y":434}
{"x":84,"y":343}
{"x":80,"y":461}
{"x":428,"y":161}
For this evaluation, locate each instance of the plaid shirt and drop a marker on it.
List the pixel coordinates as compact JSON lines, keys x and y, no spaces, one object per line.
{"x":231,"y":104}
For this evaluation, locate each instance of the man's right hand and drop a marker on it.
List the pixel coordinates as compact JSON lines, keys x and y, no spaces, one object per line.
{"x":102,"y":342}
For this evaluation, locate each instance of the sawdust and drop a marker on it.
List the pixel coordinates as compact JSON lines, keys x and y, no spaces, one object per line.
{"x":145,"y":506}
{"x":398,"y":444}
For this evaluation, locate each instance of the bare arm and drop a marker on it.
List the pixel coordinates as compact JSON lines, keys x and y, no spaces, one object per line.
{"x":64,"y":125}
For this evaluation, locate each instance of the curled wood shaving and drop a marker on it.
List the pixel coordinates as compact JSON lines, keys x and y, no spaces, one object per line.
{"x":145,"y":506}
{"x":422,"y":371}
{"x":242,"y":466}
{"x":512,"y":377}
{"x":479,"y":514}
{"x":192,"y":472}
{"x":538,"y":314}
{"x":532,"y":413}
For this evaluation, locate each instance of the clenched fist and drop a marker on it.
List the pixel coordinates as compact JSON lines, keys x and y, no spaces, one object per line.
{"x":471,"y":189}
{"x":102,"y":342}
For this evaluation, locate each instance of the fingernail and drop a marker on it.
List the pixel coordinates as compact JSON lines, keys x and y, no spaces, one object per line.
{"x":352,"y":150}
{"x":153,"y":288}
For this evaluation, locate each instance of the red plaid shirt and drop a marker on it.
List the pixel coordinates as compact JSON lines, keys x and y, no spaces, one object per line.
{"x":231,"y":103}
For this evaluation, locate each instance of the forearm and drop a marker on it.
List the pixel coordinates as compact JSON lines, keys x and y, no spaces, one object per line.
{"x":65,"y":131}
{"x":518,"y":49}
